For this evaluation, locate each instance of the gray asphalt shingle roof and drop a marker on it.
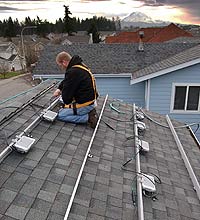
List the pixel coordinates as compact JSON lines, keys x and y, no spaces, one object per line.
{"x":180,"y":58}
{"x":110,"y":58}
{"x":38,"y":185}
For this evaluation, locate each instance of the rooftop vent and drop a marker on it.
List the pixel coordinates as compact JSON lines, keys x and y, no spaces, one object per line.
{"x":90,"y":39}
{"x":141,"y":46}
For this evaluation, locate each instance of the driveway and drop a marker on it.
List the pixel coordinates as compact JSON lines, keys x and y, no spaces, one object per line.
{"x":15,"y":85}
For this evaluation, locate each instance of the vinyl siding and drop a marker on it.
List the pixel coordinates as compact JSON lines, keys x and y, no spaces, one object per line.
{"x":161,"y":92}
{"x":120,"y":88}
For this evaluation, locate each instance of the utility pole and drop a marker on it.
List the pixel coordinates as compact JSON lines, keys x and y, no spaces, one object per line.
{"x":22,"y":39}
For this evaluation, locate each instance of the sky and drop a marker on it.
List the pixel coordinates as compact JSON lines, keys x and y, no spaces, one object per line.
{"x":180,"y":11}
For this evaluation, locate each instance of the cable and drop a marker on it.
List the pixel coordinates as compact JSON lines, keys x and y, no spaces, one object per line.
{"x":8,"y":107}
{"x":196,"y":129}
{"x":165,"y":126}
{"x":124,"y":164}
{"x":6,"y":118}
{"x":115,"y":109}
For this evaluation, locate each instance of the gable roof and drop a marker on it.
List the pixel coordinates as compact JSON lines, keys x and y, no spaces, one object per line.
{"x":151,"y":35}
{"x":39,"y":184}
{"x":181,"y":60}
{"x":109,"y":58}
{"x":169,"y":32}
{"x":133,"y":36}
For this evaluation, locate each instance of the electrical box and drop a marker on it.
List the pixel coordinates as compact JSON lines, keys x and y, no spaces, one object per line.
{"x":141,"y":125}
{"x":148,"y":183}
{"x":50,"y":115}
{"x":23,"y":144}
{"x":144,"y":145}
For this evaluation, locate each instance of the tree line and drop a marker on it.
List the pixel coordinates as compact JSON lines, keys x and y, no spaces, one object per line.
{"x":11,"y":28}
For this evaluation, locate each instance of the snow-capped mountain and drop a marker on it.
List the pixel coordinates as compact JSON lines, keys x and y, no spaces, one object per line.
{"x":138,"y":19}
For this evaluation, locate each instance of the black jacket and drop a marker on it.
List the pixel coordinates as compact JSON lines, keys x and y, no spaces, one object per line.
{"x":77,"y":84}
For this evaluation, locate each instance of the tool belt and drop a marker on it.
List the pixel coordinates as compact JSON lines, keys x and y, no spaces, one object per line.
{"x":76,"y":105}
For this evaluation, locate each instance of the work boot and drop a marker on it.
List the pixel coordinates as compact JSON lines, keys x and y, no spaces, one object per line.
{"x":93,"y":118}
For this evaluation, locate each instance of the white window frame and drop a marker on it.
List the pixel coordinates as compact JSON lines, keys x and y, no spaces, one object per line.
{"x":185,"y":111}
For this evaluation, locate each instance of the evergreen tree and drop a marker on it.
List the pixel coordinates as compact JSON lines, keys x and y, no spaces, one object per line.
{"x":59,"y":26}
{"x":68,"y":24}
{"x":9,"y":30}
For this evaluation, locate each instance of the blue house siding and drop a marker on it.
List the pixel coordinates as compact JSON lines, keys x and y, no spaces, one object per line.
{"x":120,"y":88}
{"x":161,"y":92}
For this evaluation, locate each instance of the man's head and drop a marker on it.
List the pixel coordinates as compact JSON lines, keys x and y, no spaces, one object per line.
{"x":63,"y":59}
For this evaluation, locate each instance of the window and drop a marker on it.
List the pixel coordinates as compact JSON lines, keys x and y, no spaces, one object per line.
{"x":186,"y":98}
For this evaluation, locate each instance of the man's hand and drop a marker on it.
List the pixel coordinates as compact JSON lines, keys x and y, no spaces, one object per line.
{"x":57,"y":93}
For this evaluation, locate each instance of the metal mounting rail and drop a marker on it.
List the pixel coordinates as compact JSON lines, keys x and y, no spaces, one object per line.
{"x":9,"y":148}
{"x":84,"y":162}
{"x":185,"y":158}
{"x":138,"y":170}
{"x":26,"y":104}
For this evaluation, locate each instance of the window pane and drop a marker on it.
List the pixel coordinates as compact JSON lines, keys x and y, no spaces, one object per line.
{"x":193,"y":98}
{"x":179,"y":101}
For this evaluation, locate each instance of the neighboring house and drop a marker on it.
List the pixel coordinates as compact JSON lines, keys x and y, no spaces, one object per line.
{"x":146,"y":78}
{"x":150,"y":35}
{"x":172,"y":86}
{"x":9,"y":57}
{"x":7,"y":49}
{"x":14,"y":63}
{"x":57,"y":179}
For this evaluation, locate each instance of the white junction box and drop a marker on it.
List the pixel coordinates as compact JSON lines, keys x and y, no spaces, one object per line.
{"x":144,"y":145}
{"x":24,"y":144}
{"x":50,"y":115}
{"x":148,"y":183}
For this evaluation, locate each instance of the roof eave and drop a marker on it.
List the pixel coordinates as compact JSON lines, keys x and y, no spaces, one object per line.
{"x":165,"y":71}
{"x":60,"y":76}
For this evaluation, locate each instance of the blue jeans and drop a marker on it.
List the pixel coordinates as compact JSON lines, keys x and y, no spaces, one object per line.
{"x":67,"y":114}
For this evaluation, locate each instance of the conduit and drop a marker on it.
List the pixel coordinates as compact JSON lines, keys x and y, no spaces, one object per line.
{"x":84,"y":162}
{"x":185,"y":158}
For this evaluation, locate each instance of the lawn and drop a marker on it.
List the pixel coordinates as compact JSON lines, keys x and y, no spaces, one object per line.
{"x":9,"y":75}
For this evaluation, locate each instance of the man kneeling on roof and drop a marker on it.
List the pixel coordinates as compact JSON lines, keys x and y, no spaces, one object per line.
{"x":78,"y":90}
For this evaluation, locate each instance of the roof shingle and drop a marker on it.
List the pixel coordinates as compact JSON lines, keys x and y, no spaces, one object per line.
{"x":38,"y":185}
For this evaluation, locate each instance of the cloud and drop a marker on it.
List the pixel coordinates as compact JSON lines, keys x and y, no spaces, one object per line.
{"x":189,"y":7}
{"x":5,"y":8}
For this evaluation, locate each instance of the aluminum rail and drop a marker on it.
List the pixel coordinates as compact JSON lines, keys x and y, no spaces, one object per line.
{"x":138,"y":169}
{"x":185,"y":158}
{"x":84,"y":162}
{"x":9,"y":149}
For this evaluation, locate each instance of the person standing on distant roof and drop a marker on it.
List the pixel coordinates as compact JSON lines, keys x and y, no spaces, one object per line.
{"x":78,"y":91}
